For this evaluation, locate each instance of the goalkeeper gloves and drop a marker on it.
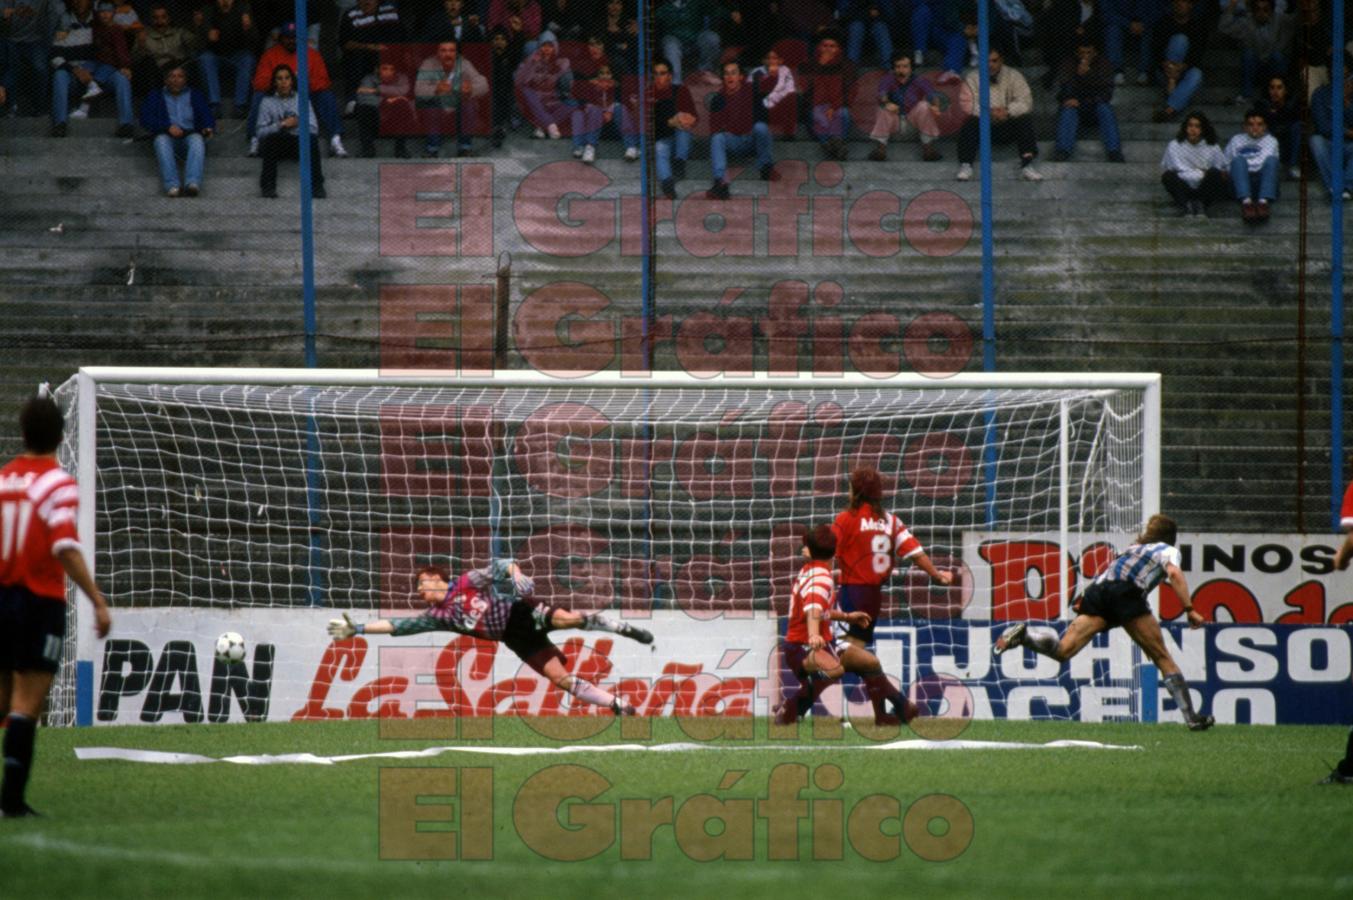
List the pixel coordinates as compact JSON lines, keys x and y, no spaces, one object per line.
{"x":340,"y":629}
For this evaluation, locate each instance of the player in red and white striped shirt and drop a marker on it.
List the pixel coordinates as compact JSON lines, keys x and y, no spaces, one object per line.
{"x":38,"y":544}
{"x":810,"y":606}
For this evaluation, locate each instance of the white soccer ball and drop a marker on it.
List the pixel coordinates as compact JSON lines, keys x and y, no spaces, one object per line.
{"x":230,"y":648}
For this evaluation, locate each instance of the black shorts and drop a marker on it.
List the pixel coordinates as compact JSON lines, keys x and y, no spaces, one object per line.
{"x":1115,"y":602}
{"x":861,"y":598}
{"x":528,"y":623}
{"x":32,"y":631}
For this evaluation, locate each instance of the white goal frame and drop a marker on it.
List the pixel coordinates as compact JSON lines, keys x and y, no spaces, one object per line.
{"x":77,"y":674}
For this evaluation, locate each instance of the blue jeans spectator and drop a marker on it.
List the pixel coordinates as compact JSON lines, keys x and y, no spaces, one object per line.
{"x":243,"y":63}
{"x":589,"y":120}
{"x":1116,"y":36}
{"x":1255,"y":72}
{"x":724,"y":145}
{"x":827,"y":126}
{"x":678,"y":146}
{"x":1261,"y":185}
{"x":707,"y":46}
{"x":106,"y":76}
{"x":925,"y":33}
{"x":169,"y":150}
{"x":32,"y":54}
{"x":1321,"y":148}
{"x":1192,"y":79}
{"x":878,"y":33}
{"x":326,"y":110}
{"x":1070,"y":119}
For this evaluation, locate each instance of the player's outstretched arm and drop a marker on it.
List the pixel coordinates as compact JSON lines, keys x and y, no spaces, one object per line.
{"x":922,"y":559}
{"x":1181,"y":589}
{"x":339,"y":629}
{"x":73,"y":562}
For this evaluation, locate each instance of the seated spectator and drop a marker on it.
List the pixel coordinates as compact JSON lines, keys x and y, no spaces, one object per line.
{"x":1322,"y":111}
{"x":545,"y":79}
{"x":1012,"y":104}
{"x":937,"y":24}
{"x":619,"y":30}
{"x":279,"y":133}
{"x":180,"y":119}
{"x":1065,"y":25}
{"x":598,"y":106}
{"x":521,"y":19}
{"x":158,"y":47}
{"x":1177,"y":44}
{"x":1085,"y":90}
{"x":504,"y":57}
{"x":1253,"y":159}
{"x":907,"y":103}
{"x":28,"y":34}
{"x":283,"y":53}
{"x":1265,"y":43}
{"x":384,"y":108}
{"x":1193,"y":168}
{"x":735,"y":130}
{"x":1130,"y":21}
{"x":867,"y":18}
{"x":774,"y":83}
{"x":590,"y":61}
{"x":828,"y":79}
{"x":687,"y":27}
{"x":452,"y":23}
{"x":363,"y":33}
{"x":101,"y":63}
{"x":228,"y":36}
{"x":447,"y":88}
{"x":1284,"y":122}
{"x":673,"y":119}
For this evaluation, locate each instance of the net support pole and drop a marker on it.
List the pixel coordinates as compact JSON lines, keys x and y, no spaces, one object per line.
{"x":988,"y":248}
{"x":1064,"y":502}
{"x":304,"y":164}
{"x":86,"y":475}
{"x":1337,"y":162}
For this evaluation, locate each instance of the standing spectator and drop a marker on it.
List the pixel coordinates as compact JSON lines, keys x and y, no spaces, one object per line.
{"x":1012,"y":105}
{"x":689,"y":26}
{"x":1253,"y":158}
{"x":1284,"y":122}
{"x":384,"y":107}
{"x":283,"y":53}
{"x":735,"y":130}
{"x":521,"y":18}
{"x":180,"y":118}
{"x":866,"y":18}
{"x":30,"y":24}
{"x":1178,"y":43}
{"x":938,"y":24}
{"x":828,"y":81}
{"x":76,"y":46}
{"x":504,"y":57}
{"x":1130,"y":21}
{"x":1322,"y":111}
{"x":1193,"y":168}
{"x":158,"y":47}
{"x":1085,"y":90}
{"x":907,"y":103}
{"x":1265,"y":43}
{"x":364,"y":32}
{"x":673,"y":119}
{"x":279,"y":133}
{"x":452,"y":23}
{"x":545,"y":79}
{"x":1065,"y":25}
{"x":228,"y":35}
{"x":447,"y":88}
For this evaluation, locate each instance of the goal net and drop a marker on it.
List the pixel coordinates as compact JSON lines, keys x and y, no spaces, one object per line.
{"x":263,"y":501}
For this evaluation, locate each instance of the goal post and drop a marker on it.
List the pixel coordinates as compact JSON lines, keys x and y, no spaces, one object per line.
{"x":265,"y":499}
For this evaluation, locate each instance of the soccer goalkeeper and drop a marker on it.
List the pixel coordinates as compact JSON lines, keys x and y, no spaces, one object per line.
{"x":495,"y":604}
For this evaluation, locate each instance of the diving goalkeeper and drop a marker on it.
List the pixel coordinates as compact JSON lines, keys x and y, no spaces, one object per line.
{"x":495,"y":604}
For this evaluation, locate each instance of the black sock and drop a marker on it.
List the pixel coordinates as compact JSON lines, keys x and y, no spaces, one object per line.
{"x":18,"y":749}
{"x":1179,"y":690}
{"x":1346,"y":764}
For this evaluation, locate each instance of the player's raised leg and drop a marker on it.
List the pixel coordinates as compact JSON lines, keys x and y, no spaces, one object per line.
{"x":567,"y":618}
{"x":551,"y":666}
{"x":1145,"y":631}
{"x":1046,"y":643}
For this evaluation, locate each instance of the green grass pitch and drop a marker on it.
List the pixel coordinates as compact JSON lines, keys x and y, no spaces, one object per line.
{"x":1232,"y":811}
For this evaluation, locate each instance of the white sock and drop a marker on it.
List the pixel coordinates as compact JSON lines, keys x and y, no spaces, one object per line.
{"x":586,"y":691}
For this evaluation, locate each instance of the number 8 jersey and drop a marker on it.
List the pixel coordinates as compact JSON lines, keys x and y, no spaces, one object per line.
{"x":869,"y":542}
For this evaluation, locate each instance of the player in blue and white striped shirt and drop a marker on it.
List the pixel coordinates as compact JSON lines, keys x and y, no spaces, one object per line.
{"x":1117,"y":597}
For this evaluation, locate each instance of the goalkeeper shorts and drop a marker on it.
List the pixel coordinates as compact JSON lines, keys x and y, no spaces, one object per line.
{"x":525,"y":633}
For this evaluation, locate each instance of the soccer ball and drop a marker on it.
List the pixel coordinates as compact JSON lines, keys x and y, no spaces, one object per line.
{"x":230,"y":648}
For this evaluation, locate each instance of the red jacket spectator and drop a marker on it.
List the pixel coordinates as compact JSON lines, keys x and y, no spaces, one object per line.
{"x":277,"y":55}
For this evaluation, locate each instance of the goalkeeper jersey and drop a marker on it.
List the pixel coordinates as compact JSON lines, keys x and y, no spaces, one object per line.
{"x":480,"y":601}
